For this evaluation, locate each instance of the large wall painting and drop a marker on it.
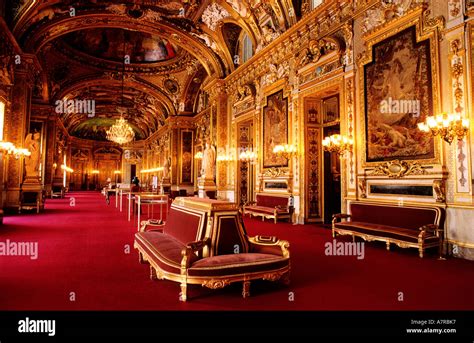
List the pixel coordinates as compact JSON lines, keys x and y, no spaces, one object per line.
{"x":275,"y":129}
{"x":399,"y":95}
{"x":186,"y":157}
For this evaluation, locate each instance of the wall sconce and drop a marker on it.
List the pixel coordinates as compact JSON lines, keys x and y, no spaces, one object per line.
{"x":152,"y":170}
{"x":55,"y":165}
{"x":95,"y":171}
{"x":225,"y":157}
{"x":117,"y":172}
{"x":338,"y":144}
{"x":248,"y":155}
{"x":9,"y":149}
{"x":446,"y":126}
{"x":66,"y":168}
{"x":285,"y":150}
{"x":198,"y":155}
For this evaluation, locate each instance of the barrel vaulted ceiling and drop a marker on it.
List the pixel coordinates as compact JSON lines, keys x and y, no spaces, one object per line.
{"x":171,"y":47}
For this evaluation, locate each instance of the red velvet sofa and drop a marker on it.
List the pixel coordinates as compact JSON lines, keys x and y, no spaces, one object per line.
{"x":276,"y":206}
{"x":420,"y":227}
{"x":204,"y":242}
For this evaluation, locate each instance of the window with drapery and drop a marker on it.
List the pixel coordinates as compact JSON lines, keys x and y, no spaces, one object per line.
{"x":247,"y":48}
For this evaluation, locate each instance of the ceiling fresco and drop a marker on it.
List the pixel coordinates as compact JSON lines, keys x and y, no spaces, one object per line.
{"x":96,"y":129}
{"x":174,"y":47}
{"x":114,"y":44}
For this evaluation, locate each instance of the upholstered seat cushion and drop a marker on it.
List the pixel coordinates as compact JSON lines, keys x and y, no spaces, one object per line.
{"x":263,"y":209}
{"x":385,"y":231}
{"x":234,"y":264}
{"x":162,"y":248}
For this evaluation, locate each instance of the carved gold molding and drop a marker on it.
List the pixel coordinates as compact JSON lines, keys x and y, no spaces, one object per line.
{"x":275,"y":172}
{"x":439,"y":190}
{"x":216,"y":283}
{"x":397,"y":169}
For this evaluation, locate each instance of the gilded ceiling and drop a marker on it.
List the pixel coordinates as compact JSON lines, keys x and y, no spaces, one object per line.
{"x":113,"y":44}
{"x":170,"y":48}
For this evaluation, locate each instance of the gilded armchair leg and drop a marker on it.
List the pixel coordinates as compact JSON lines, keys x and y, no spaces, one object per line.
{"x":440,"y":250}
{"x":421,"y":251}
{"x":388,"y":245}
{"x":140,"y":258}
{"x":183,"y":296}
{"x":153,"y":273}
{"x":275,"y":220}
{"x":246,"y":289}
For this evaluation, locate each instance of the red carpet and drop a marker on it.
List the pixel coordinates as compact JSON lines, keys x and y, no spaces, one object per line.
{"x":83,"y":249}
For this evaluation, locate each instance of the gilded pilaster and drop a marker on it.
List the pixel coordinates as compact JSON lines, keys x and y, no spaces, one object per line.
{"x":16,"y":126}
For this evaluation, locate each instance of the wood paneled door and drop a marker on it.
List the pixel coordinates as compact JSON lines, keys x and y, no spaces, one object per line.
{"x":245,"y":169}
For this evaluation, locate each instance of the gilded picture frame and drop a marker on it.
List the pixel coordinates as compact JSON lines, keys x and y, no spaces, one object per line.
{"x":404,"y":37}
{"x":274,"y":129}
{"x":186,"y":157}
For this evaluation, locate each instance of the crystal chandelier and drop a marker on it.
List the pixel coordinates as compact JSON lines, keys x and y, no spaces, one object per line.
{"x":120,"y":132}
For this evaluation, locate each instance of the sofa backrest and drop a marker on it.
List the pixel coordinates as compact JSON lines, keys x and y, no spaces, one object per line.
{"x":228,"y":235}
{"x":409,"y":217}
{"x":184,"y":224}
{"x":268,"y":200}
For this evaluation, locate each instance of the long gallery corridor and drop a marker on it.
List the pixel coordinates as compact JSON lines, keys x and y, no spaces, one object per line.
{"x":83,"y":249}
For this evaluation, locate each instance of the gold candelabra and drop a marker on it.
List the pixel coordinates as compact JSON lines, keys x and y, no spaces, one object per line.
{"x":285,"y":150}
{"x":338,"y":144}
{"x":248,"y":155}
{"x":447,"y":126}
{"x":9,"y":149}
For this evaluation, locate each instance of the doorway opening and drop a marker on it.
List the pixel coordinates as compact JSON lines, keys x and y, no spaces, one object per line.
{"x":322,"y":169}
{"x":332,"y":179}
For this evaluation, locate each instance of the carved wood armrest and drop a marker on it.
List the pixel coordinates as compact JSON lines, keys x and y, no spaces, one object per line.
{"x":198,"y":245}
{"x":190,"y":249}
{"x":157,"y":225}
{"x":339,"y":216}
{"x":265,"y":243}
{"x":281,"y":207}
{"x":250,"y":203}
{"x":430,"y":228}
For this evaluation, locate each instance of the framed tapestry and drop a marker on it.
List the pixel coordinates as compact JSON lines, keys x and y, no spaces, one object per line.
{"x":275,"y":129}
{"x":398,"y":88}
{"x":186,"y":176}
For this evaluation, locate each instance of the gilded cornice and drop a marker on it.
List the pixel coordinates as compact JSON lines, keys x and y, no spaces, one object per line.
{"x":54,"y":29}
{"x":325,"y":20}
